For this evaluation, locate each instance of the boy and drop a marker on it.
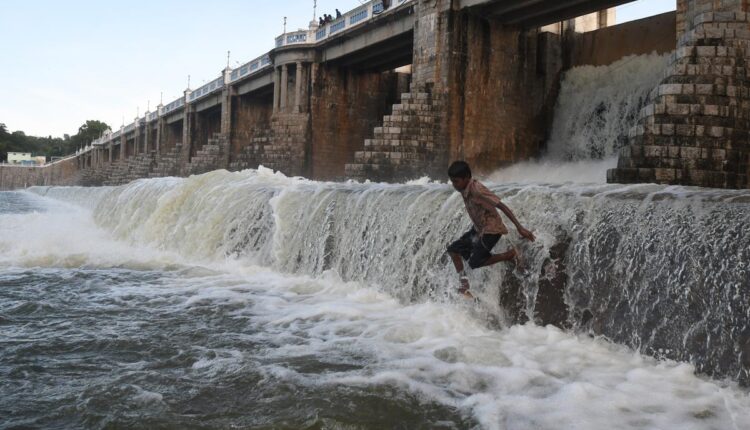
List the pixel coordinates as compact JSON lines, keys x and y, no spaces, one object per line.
{"x":476,"y":244}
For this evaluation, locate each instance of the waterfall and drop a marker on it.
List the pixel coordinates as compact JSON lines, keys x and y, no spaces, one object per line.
{"x":598,"y":105}
{"x":662,"y":269}
{"x":596,"y":108}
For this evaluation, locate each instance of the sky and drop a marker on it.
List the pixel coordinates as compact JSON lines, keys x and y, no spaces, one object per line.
{"x":65,"y":62}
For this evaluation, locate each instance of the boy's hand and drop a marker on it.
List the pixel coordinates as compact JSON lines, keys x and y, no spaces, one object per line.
{"x":526,"y":234}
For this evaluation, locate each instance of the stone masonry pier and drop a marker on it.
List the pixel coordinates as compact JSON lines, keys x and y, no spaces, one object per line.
{"x":695,"y":129}
{"x":393,"y":93}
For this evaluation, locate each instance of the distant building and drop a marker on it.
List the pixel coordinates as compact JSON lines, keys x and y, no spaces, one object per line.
{"x":25,"y":159}
{"x":19,"y":157}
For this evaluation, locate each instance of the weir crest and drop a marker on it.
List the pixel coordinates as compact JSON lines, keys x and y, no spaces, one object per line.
{"x":661,"y":269}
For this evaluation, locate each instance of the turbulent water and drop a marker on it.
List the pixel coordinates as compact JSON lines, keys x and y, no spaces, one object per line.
{"x":252,"y":300}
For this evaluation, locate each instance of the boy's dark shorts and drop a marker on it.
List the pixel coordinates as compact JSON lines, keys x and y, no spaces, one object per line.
{"x":474,"y":248}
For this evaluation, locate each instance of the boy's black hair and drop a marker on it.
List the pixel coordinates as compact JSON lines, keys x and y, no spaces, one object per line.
{"x":459,"y":169}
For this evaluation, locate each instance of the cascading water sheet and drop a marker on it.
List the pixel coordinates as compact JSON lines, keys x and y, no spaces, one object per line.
{"x":598,"y":105}
{"x":596,"y":108}
{"x":265,"y":289}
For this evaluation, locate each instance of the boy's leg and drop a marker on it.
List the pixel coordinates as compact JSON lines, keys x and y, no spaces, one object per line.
{"x":458,"y":262}
{"x":481,"y":255}
{"x":497,"y":258}
{"x":458,"y":251}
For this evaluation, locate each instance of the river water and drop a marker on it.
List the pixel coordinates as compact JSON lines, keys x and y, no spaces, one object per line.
{"x":252,"y":300}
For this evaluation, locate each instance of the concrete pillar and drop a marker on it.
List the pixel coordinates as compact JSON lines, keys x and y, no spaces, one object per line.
{"x":159,"y":131}
{"x":137,"y":140}
{"x":146,"y":135}
{"x":284,"y":85}
{"x":187,"y":131}
{"x":276,"y":89}
{"x":110,"y":146}
{"x":298,"y":89}
{"x":123,"y":144}
{"x":226,"y":111}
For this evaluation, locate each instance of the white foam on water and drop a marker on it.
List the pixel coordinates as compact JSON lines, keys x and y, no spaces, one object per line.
{"x":551,"y":171}
{"x":525,"y":377}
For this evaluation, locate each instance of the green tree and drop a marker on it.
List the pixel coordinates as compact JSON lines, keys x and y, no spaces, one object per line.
{"x":18,"y":141}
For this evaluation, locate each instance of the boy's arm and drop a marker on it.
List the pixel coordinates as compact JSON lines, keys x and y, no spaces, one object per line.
{"x":522,"y":231}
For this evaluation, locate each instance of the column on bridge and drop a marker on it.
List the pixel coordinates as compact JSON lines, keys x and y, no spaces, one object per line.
{"x":137,"y":137}
{"x":284,"y":83}
{"x":123,"y":144}
{"x":187,"y":131}
{"x":159,"y":128}
{"x":276,"y":89}
{"x":298,"y":89}
{"x":146,"y":133}
{"x":226,"y":104}
{"x":110,"y":147}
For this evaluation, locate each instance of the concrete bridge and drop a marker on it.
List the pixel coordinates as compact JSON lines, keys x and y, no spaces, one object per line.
{"x":537,"y":13}
{"x":397,"y":92}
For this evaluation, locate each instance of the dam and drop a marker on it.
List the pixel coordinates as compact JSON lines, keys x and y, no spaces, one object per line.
{"x":212,"y":265}
{"x":393,"y":94}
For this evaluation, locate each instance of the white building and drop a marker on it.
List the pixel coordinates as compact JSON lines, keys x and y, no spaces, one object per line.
{"x":19,"y":157}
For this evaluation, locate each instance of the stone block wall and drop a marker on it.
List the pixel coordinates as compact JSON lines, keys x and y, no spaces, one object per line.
{"x":251,"y":129}
{"x":288,"y":149}
{"x":503,"y":117}
{"x":695,"y":129}
{"x":172,"y":136}
{"x":404,"y":146}
{"x":346,"y":106}
{"x":210,"y":156}
{"x":168,"y":162}
{"x":484,"y":93}
{"x":64,"y":172}
{"x":207,"y":126}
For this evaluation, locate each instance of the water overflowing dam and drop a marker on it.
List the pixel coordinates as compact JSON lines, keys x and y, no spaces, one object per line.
{"x":258,"y":300}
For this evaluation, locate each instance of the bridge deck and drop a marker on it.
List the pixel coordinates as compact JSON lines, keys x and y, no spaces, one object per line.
{"x":535,"y":13}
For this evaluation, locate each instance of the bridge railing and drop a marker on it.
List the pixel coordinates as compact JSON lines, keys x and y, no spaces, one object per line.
{"x":170,"y":107}
{"x":211,"y":87}
{"x":351,"y":19}
{"x":250,"y":67}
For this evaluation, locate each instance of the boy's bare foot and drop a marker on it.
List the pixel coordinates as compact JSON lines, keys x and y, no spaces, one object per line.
{"x":464,"y":287}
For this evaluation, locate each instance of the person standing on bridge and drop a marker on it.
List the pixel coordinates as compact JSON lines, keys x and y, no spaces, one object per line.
{"x":476,"y":244}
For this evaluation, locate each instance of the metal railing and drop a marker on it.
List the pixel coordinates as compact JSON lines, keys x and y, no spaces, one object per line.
{"x":351,"y":19}
{"x":250,"y":68}
{"x":213,"y":86}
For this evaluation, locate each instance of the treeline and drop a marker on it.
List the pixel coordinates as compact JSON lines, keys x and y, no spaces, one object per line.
{"x":18,"y":141}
